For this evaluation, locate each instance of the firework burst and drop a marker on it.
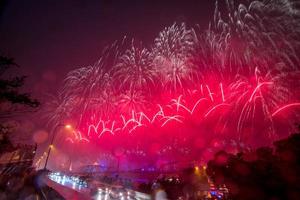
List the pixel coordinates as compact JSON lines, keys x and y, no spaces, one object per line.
{"x":172,"y":49}
{"x":136,"y":70}
{"x":232,"y":81}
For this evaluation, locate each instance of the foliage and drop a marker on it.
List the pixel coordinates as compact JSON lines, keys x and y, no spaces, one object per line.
{"x":9,"y":88}
{"x":12,"y":101}
{"x":262,"y":174}
{"x":5,"y":143}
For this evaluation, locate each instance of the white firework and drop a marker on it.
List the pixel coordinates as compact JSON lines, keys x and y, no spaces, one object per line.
{"x":135,"y":69}
{"x":172,"y":49}
{"x":132,"y":100}
{"x":57,"y":109}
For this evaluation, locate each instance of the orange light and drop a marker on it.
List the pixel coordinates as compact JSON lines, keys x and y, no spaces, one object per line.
{"x":68,"y":126}
{"x":51,"y":146}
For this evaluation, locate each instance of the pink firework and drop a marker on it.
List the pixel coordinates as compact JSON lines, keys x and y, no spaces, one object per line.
{"x":192,"y":89}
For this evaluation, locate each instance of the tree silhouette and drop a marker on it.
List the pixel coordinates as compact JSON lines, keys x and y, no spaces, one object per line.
{"x":12,"y":101}
{"x":267,"y":173}
{"x":10,"y":91}
{"x":5,"y":143}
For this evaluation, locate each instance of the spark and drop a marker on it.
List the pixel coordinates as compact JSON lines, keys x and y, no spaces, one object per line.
{"x":131,"y":120}
{"x":159,"y":113}
{"x":222,"y":92}
{"x":215,"y":107}
{"x":257,"y":88}
{"x":196,"y":104}
{"x":179,"y":104}
{"x":210,"y":93}
{"x":79,"y":137}
{"x":105,"y":129}
{"x":285,"y":107}
{"x":142,"y":114}
{"x":95,"y":128}
{"x":170,"y":118}
{"x":201,"y":88}
{"x":135,"y":127}
{"x":70,"y":140}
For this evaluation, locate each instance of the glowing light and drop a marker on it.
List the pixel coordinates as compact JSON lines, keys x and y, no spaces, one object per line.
{"x":68,"y":126}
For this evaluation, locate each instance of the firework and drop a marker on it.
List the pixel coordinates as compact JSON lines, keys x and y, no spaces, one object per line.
{"x":135,"y":69}
{"x":172,"y":49}
{"x":231,"y":81}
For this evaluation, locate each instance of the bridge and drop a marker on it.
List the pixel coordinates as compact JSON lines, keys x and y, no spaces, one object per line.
{"x":73,"y":188}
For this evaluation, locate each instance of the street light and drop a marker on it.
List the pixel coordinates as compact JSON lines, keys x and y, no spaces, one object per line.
{"x":68,"y":126}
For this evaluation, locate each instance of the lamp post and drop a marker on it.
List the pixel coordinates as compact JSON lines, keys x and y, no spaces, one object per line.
{"x":68,"y":126}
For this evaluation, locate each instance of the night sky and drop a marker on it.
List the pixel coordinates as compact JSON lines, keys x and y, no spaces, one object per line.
{"x":51,"y":37}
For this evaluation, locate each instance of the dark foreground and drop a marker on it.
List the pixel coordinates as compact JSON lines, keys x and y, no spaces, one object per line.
{"x":264,"y":173}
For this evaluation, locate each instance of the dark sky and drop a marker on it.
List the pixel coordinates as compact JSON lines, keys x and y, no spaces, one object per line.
{"x":50,"y":37}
